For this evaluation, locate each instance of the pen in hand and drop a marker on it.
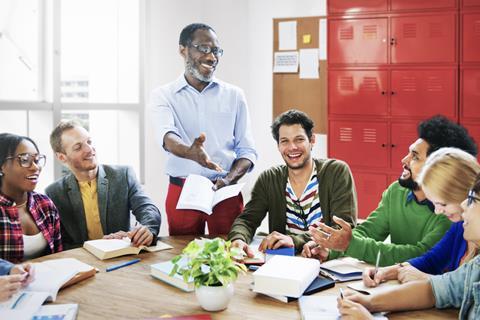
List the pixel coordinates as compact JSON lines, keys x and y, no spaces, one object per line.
{"x":341,"y":293}
{"x":377,"y":263}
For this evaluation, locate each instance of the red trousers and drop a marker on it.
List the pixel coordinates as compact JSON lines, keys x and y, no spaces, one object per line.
{"x":192,"y":222}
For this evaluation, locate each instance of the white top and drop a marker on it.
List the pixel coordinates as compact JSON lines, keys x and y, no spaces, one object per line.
{"x":34,"y":246}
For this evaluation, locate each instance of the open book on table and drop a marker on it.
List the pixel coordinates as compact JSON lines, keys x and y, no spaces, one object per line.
{"x":111,"y":248}
{"x":343,"y":269}
{"x":197,"y":194}
{"x":50,"y":277}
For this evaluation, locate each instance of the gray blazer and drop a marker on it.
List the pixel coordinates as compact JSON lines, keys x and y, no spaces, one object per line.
{"x":118,"y":193}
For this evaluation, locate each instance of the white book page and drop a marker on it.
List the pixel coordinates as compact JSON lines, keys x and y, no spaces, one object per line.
{"x":196,"y":194}
{"x":68,"y":264}
{"x":48,"y":279}
{"x":109,"y":244}
{"x":23,"y":305}
{"x":344,"y":265}
{"x":227,"y":192}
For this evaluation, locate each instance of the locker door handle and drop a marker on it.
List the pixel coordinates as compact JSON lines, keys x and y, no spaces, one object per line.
{"x":393,"y":41}
{"x":384,"y":93}
{"x":393,"y":93}
{"x":383,"y":145}
{"x":393,"y":145}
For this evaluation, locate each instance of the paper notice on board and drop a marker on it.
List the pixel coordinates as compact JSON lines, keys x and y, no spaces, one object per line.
{"x":286,"y":62}
{"x":287,"y":35}
{"x":309,"y":64}
{"x":322,"y":39}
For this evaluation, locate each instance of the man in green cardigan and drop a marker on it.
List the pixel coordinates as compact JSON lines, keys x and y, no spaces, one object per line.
{"x":300,"y":194}
{"x":404,"y":213}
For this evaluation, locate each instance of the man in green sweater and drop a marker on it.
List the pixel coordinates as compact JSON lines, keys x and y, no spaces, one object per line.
{"x":297,"y":195}
{"x":403,"y":213}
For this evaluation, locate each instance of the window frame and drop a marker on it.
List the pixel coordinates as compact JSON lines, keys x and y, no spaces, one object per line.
{"x":56,"y":106}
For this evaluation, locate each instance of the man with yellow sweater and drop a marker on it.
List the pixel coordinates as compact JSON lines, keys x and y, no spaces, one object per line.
{"x":404,"y":213}
{"x":95,"y":201}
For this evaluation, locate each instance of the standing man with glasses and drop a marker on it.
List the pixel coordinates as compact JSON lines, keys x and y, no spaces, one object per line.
{"x":302,"y":193}
{"x":203,"y":125}
{"x":95,"y":200}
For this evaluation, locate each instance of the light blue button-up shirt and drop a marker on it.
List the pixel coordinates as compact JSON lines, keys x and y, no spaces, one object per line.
{"x":459,"y":289}
{"x":220,"y":111}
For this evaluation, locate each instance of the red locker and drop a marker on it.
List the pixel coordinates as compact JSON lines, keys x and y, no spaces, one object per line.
{"x":468,"y":3}
{"x":359,"y":143}
{"x":357,"y":41}
{"x":420,"y":39}
{"x":403,"y":135}
{"x":356,"y":6}
{"x":358,"y":92}
{"x":471,"y":92}
{"x":424,"y":92}
{"x":471,"y":37}
{"x":369,"y":187}
{"x":423,"y":4}
{"x":474,"y":131}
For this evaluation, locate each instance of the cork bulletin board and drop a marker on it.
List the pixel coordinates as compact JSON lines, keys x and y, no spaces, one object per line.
{"x":289,"y":90}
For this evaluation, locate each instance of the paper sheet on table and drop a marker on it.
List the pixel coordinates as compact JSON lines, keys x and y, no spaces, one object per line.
{"x":287,"y":35}
{"x":309,"y":64}
{"x":286,"y":62}
{"x":322,"y":39}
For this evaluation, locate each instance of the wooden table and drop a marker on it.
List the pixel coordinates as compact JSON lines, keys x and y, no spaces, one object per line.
{"x":131,"y":293}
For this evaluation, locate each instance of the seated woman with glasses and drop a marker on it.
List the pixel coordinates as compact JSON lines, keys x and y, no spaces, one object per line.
{"x":445,"y":179}
{"x":455,"y":289}
{"x":29,"y":221}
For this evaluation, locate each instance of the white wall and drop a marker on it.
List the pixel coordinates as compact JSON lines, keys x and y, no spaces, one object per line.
{"x":245,"y":31}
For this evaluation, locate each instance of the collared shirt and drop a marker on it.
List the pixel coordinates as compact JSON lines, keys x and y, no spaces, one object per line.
{"x":220,"y":111}
{"x":411,"y":196}
{"x":46,"y":217}
{"x":304,"y":211}
{"x":88,"y":189}
{"x":459,"y":289}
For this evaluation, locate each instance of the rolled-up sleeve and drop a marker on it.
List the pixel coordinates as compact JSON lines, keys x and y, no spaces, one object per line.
{"x":244,"y":143}
{"x":161,"y":115}
{"x":448,"y":288}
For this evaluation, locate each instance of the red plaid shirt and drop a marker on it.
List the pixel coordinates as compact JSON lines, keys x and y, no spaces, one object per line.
{"x":45,"y":215}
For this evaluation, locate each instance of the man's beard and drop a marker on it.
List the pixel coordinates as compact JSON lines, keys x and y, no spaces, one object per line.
{"x":409,"y":183}
{"x":193,"y":70}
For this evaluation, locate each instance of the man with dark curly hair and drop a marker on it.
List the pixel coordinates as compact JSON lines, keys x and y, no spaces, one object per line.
{"x":404,"y":213}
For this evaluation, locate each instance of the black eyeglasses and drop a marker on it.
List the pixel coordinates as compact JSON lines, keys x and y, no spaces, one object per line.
{"x":26,"y":159}
{"x":299,"y":213}
{"x":217,"y":51}
{"x":471,"y":198}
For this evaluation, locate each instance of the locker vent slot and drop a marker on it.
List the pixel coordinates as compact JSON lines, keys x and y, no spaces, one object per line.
{"x":370,"y":32}
{"x":436,"y":30}
{"x":408,"y":84}
{"x":434,"y":84}
{"x":346,"y":134}
{"x":346,"y":33}
{"x":409,"y":30}
{"x":476,"y":29}
{"x":345,"y":83}
{"x":369,"y":84}
{"x":369,"y":135}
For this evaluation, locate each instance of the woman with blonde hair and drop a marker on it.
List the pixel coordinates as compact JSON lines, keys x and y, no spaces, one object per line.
{"x":455,"y":289}
{"x":445,"y":179}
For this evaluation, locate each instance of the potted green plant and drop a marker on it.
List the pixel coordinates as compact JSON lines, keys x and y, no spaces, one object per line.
{"x":212,"y":266}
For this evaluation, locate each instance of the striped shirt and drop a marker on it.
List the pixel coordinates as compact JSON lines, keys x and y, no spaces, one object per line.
{"x":45,"y":215}
{"x":304,"y":211}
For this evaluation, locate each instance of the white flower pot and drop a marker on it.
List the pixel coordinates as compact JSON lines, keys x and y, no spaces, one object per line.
{"x":214,"y":298}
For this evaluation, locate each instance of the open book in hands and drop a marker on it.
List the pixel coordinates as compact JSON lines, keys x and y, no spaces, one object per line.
{"x":197,"y":194}
{"x":111,"y":248}
{"x":49,"y":277}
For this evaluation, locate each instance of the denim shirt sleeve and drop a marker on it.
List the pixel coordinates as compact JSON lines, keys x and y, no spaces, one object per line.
{"x":448,"y":288}
{"x":5,"y":267}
